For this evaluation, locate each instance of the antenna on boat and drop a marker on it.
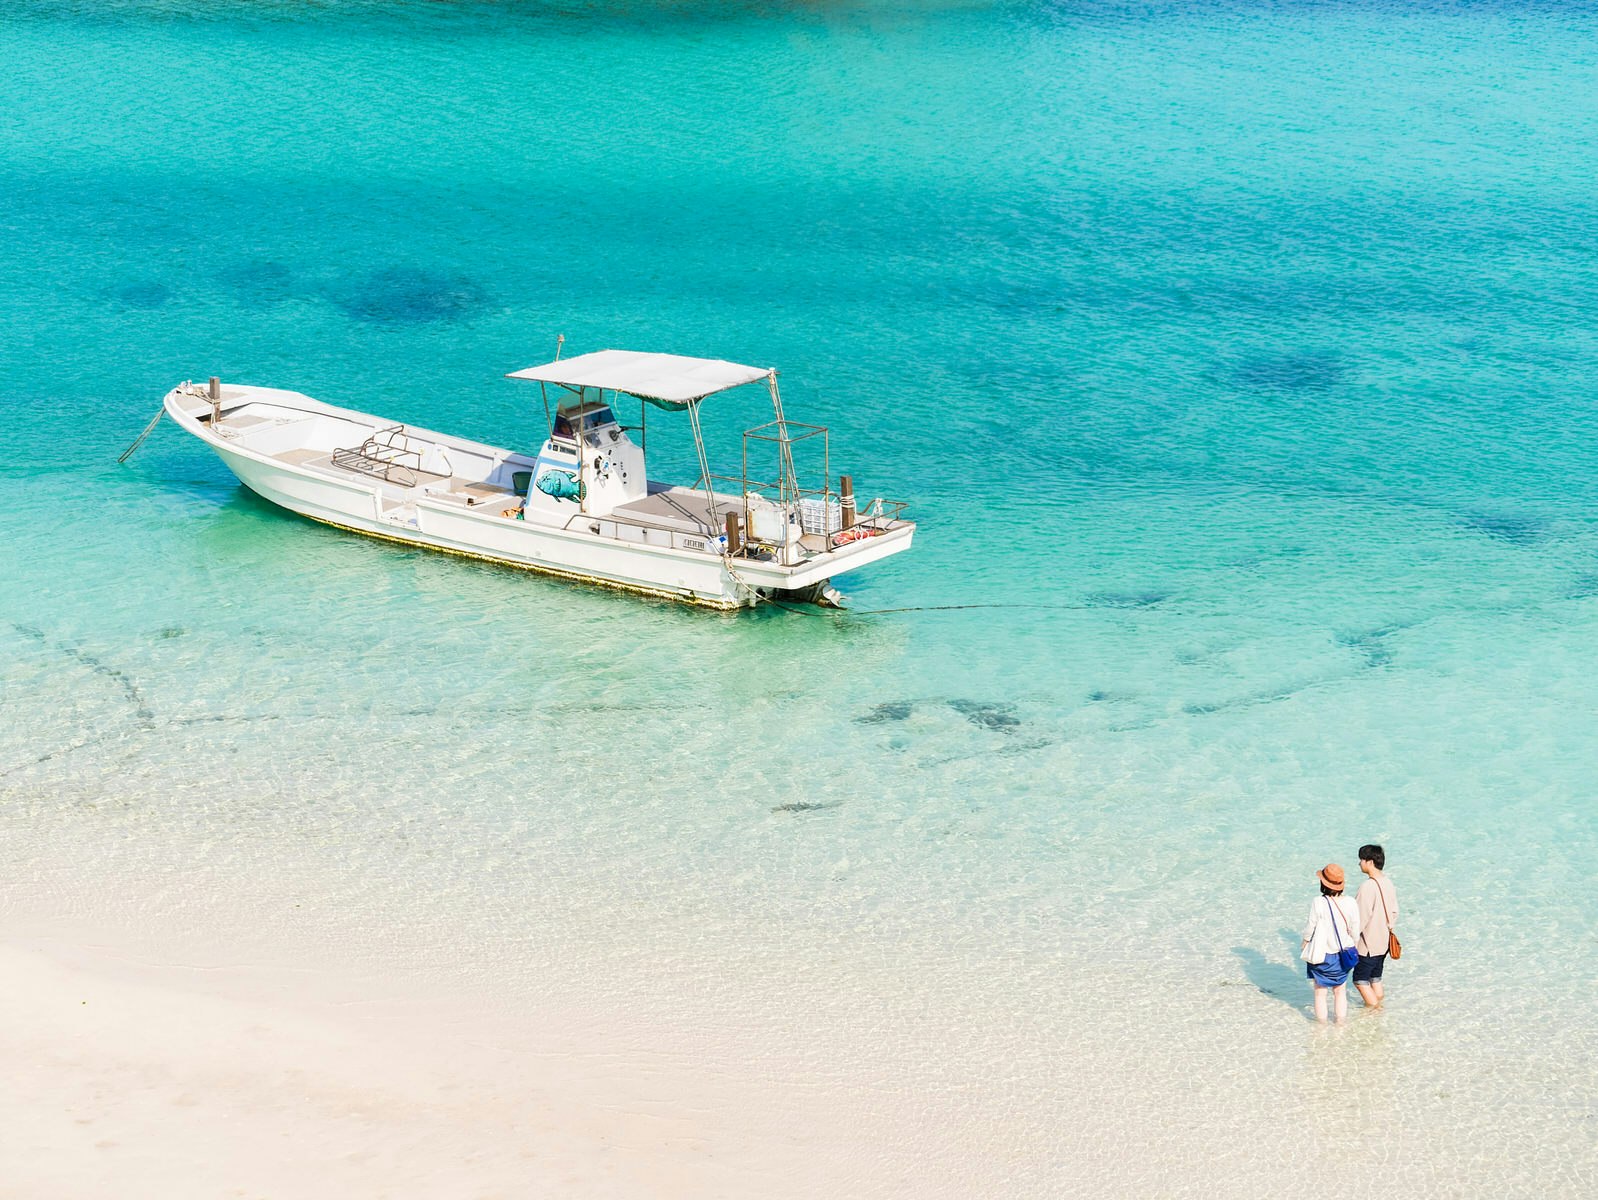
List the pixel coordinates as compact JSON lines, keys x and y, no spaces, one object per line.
{"x":560,"y":340}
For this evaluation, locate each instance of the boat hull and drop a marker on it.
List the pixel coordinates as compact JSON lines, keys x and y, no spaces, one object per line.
{"x":494,"y":539}
{"x":595,"y":551}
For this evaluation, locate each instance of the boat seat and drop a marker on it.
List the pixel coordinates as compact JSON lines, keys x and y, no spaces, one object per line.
{"x":243,"y":421}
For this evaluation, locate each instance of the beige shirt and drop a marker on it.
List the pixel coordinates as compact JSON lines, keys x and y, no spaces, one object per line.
{"x":1373,"y":926}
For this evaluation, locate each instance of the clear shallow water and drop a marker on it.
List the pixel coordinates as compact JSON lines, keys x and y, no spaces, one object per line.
{"x":1239,"y":358}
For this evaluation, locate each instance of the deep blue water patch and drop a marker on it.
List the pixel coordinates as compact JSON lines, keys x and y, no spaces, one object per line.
{"x":406,"y":295}
{"x":1518,"y":529}
{"x":140,"y":294}
{"x":1308,"y":371}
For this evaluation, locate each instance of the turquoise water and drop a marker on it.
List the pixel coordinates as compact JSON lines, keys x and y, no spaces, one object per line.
{"x":1240,"y":361}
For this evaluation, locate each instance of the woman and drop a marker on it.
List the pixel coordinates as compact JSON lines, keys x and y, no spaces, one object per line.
{"x":1333,"y":920}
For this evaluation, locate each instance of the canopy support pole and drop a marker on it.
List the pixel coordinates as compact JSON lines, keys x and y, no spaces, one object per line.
{"x":704,"y":465}
{"x":790,"y":477}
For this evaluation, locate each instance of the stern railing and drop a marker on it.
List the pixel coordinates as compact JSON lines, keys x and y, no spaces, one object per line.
{"x":820,"y":509}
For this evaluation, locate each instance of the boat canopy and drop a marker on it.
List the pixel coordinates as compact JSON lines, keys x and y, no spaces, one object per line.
{"x":666,"y":380}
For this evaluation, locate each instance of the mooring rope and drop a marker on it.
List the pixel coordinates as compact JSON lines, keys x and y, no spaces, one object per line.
{"x":881,"y":612}
{"x":139,"y":441}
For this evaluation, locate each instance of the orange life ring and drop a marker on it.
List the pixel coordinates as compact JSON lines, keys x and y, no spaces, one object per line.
{"x":854,"y":534}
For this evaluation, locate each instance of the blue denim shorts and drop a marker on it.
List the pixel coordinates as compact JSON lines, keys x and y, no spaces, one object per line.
{"x":1369,"y":968}
{"x":1328,"y":974}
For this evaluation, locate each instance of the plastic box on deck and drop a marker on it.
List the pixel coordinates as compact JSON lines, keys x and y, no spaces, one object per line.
{"x":820,"y":516}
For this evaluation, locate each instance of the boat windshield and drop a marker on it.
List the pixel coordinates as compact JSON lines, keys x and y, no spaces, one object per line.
{"x":569,"y":423}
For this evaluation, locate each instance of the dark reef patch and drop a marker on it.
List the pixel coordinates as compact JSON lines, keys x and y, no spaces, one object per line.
{"x":882,"y":713}
{"x":981,"y":713}
{"x":1372,"y":643}
{"x":1204,"y":710}
{"x":1000,"y":717}
{"x":1308,"y":371}
{"x":409,"y":296}
{"x":1100,"y":696}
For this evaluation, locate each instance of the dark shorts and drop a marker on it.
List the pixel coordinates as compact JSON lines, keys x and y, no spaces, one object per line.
{"x":1369,"y":968}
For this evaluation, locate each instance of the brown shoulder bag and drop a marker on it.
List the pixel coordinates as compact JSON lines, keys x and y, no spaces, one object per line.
{"x":1395,"y":948}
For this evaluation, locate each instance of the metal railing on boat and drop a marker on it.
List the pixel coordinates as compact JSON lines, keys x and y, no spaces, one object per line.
{"x":380,"y":457}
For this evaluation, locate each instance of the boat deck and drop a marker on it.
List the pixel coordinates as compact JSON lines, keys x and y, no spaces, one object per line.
{"x":445,"y":487}
{"x":685,"y":510}
{"x":679,"y":510}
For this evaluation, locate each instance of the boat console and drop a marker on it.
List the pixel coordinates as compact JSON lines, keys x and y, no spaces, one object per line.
{"x":588,"y":461}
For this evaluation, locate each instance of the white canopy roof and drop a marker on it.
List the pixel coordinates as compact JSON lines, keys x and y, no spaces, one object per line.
{"x":669,"y":377}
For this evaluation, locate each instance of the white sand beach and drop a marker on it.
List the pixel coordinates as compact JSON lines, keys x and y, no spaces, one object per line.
{"x":189,"y":1072}
{"x":141,"y":1079}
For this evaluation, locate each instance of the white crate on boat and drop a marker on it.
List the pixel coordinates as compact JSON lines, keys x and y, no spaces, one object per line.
{"x":817,"y":515}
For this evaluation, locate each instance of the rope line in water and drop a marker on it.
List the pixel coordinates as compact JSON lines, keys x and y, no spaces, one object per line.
{"x":879,"y":612}
{"x":139,"y":441}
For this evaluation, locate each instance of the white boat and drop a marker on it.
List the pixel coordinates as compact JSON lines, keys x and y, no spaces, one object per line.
{"x":582,"y":506}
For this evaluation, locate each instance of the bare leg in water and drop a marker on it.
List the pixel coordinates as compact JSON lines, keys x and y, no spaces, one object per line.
{"x":1340,"y":994}
{"x":1320,"y":1004}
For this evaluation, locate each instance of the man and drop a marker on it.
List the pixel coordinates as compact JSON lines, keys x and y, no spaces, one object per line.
{"x":1378,"y":914}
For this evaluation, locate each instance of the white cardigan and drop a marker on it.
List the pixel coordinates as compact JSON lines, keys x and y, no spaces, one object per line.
{"x":1320,"y":935}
